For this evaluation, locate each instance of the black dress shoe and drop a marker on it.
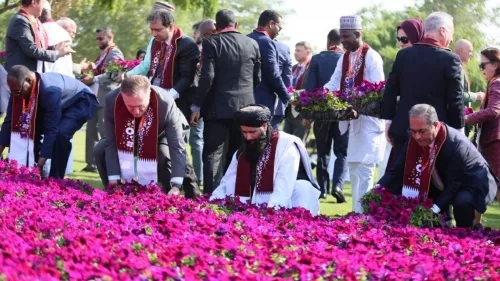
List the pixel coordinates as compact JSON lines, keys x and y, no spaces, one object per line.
{"x":339,"y":195}
{"x":90,"y":169}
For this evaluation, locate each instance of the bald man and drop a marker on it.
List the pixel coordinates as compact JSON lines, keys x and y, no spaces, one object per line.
{"x":464,"y":49}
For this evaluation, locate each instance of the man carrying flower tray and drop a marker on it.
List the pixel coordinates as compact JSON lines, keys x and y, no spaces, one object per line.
{"x":366,"y":140}
{"x":440,"y":162}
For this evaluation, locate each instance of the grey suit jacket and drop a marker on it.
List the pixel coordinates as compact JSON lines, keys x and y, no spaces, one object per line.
{"x":20,"y":45}
{"x":107,"y":85}
{"x":172,"y":127}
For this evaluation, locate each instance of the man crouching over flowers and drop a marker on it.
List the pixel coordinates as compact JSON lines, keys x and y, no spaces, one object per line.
{"x":439,"y":161}
{"x":271,"y":167}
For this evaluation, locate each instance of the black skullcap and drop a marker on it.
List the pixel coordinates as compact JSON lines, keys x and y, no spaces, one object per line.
{"x":253,"y":115}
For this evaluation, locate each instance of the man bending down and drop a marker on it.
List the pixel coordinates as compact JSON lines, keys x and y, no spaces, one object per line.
{"x":271,"y":167}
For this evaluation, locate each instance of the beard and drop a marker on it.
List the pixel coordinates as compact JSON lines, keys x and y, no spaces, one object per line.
{"x":254,"y":148}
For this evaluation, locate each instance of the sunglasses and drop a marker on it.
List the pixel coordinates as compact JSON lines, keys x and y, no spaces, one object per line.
{"x":403,"y":39}
{"x":483,"y":65}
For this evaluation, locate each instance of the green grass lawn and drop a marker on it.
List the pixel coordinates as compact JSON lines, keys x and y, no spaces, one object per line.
{"x":328,"y":205}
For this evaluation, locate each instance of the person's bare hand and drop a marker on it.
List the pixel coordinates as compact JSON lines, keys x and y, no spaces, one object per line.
{"x":87,"y":79}
{"x":480,"y":96}
{"x":195,"y":117}
{"x":84,"y":64}
{"x":387,"y":137}
{"x":174,"y":191}
{"x":64,"y":49}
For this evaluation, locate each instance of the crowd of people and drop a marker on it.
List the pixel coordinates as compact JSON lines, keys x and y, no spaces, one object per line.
{"x":226,"y":94}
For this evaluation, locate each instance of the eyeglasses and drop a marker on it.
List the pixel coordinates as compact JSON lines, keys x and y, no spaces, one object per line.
{"x":278,"y":25}
{"x":483,"y":65}
{"x":403,"y":39}
{"x":18,"y":92}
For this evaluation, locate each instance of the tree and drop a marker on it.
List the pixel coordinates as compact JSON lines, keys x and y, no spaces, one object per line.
{"x":469,"y":17}
{"x":248,"y":12}
{"x":113,"y":6}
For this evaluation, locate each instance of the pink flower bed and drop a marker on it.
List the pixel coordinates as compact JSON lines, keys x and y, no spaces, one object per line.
{"x":65,"y":230}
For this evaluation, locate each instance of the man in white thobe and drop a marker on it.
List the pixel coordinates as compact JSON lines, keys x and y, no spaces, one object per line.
{"x":366,"y":139}
{"x":63,"y":65}
{"x":272,"y":167}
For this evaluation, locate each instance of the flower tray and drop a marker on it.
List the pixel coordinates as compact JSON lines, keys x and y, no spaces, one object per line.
{"x":373,"y":108}
{"x":328,"y":116}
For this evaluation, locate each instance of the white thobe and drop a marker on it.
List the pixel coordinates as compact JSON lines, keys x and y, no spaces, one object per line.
{"x":63,"y":65}
{"x":288,"y":192}
{"x":366,"y":135}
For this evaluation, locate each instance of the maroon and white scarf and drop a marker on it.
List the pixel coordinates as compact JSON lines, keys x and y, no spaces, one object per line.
{"x":264,"y":178}
{"x":164,"y":56}
{"x":22,"y":137}
{"x":353,"y":75}
{"x":145,"y":170}
{"x":41,"y":37}
{"x":101,"y":59}
{"x":419,"y":165}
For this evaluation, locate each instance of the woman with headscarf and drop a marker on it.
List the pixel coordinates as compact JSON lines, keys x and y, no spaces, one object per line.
{"x":409,"y":32}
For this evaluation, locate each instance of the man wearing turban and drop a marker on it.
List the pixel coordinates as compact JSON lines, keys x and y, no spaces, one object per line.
{"x":271,"y":167}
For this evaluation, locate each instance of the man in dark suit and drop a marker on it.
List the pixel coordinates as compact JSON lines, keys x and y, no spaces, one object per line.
{"x":48,"y":104}
{"x":272,"y":85}
{"x":285,"y":69}
{"x":160,"y":148}
{"x":95,"y":126}
{"x":428,"y":73}
{"x":27,"y":42}
{"x":319,"y":73}
{"x":441,"y":162}
{"x":230,"y":72}
{"x":172,"y":66}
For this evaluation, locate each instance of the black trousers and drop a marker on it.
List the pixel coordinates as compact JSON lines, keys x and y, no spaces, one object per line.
{"x":326,"y":133}
{"x":190,"y":182}
{"x":222,"y":139}
{"x":462,"y":207}
{"x":72,"y":120}
{"x":399,"y":143}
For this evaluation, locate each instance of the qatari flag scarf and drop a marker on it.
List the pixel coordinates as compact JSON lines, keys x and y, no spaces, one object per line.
{"x":22,"y":138}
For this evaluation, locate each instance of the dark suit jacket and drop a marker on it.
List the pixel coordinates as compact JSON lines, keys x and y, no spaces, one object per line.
{"x":57,"y":93}
{"x":172,"y":126}
{"x":186,"y":59}
{"x":459,"y":165}
{"x":424,"y":74}
{"x":285,"y":68}
{"x":272,"y":83}
{"x":230,"y":72}
{"x":321,"y":69}
{"x":107,"y":85}
{"x":20,"y":45}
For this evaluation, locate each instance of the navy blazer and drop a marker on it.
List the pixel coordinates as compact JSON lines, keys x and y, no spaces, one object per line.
{"x":271,"y":82}
{"x":57,"y":93}
{"x":459,"y":165}
{"x":285,"y":68}
{"x":321,"y":69}
{"x":424,"y":74}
